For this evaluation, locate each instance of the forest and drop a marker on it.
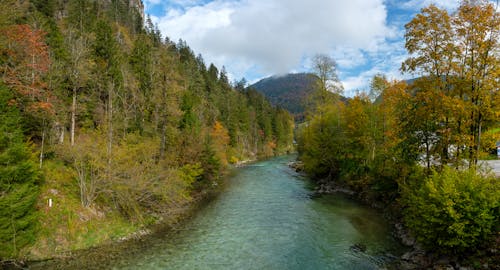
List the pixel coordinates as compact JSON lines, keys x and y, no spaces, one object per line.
{"x":108,"y":127}
{"x":413,"y":146}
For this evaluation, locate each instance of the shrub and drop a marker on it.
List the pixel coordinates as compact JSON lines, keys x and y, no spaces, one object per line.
{"x":452,"y":211}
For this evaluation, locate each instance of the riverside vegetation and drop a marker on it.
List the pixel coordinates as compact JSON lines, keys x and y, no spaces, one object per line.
{"x":114,"y":125}
{"x":414,"y":146}
{"x":121,"y":128}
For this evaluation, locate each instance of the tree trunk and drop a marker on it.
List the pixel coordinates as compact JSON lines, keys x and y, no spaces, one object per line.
{"x":427,"y":155}
{"x":478,"y":144}
{"x":110,"y":128}
{"x":61,"y":134}
{"x":163,"y":143}
{"x":43,"y":144}
{"x":33,"y":76}
{"x":73,"y":117}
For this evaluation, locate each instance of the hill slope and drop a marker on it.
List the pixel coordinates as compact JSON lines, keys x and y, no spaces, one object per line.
{"x":289,"y":91}
{"x":129,"y":128}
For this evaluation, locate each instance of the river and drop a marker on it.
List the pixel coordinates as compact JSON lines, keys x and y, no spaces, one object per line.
{"x":265,"y":219}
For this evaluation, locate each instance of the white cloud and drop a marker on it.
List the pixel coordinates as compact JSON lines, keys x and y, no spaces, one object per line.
{"x":195,"y":23}
{"x":348,"y":57}
{"x":360,"y":82}
{"x":257,"y":38}
{"x":274,"y":35}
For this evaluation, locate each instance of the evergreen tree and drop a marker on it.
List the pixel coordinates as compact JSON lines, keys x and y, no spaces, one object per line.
{"x":19,"y":182}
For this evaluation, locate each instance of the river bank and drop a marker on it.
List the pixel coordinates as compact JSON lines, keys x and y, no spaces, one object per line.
{"x":69,"y":230}
{"x":115,"y":246}
{"x":94,"y":232}
{"x":266,"y":218}
{"x":417,"y":257}
{"x":130,"y":244}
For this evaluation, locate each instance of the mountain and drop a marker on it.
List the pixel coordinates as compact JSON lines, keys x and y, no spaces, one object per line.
{"x":288,"y":91}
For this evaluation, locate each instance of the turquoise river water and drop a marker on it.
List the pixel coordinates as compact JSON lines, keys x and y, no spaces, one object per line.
{"x":265,"y":219}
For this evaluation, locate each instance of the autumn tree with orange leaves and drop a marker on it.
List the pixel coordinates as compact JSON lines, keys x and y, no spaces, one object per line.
{"x":25,"y":62}
{"x":456,"y":58}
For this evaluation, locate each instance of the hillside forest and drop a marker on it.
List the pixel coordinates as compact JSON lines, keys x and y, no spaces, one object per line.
{"x":289,"y":91}
{"x":413,"y":147}
{"x":107,"y":126}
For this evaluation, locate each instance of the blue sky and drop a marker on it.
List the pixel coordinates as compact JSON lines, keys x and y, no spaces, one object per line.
{"x":259,"y":38}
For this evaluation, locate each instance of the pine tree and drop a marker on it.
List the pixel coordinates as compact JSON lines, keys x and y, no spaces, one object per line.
{"x":19,"y":180}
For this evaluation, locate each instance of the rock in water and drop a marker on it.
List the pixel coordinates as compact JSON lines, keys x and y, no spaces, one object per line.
{"x":358,"y":247}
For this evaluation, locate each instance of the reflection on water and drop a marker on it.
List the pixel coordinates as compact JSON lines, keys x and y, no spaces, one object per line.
{"x":265,"y":220}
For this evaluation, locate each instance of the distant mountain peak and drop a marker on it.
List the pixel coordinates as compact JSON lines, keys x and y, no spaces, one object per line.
{"x":288,"y":91}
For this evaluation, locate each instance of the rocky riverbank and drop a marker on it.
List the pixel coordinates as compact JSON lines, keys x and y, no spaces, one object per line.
{"x":417,"y":257}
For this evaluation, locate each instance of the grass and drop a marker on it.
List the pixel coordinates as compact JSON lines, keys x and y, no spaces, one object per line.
{"x":67,"y":225}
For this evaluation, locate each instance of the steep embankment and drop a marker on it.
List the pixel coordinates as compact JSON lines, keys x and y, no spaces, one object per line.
{"x":127,"y":126}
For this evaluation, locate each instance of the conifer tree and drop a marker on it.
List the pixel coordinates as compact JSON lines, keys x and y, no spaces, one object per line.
{"x":19,"y":180}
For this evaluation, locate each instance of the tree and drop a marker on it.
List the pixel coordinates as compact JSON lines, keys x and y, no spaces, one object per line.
{"x":9,"y":16}
{"x":27,"y":61}
{"x":107,"y":57}
{"x":430,"y":42}
{"x":26,"y":64}
{"x":46,"y":7}
{"x":141,"y":60}
{"x":19,"y":181}
{"x":328,"y":87}
{"x":378,"y":85}
{"x":219,"y":137}
{"x":166,"y":97}
{"x":326,"y":69}
{"x":322,"y":144}
{"x":477,"y":31}
{"x":146,"y":116}
{"x":82,"y":14}
{"x":458,"y":61}
{"x":387,"y":167}
{"x":419,"y":118}
{"x":79,"y":55}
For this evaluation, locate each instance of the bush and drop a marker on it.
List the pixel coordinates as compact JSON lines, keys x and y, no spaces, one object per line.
{"x":452,"y":211}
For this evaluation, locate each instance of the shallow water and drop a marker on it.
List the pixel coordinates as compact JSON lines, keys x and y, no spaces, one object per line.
{"x":266,"y":219}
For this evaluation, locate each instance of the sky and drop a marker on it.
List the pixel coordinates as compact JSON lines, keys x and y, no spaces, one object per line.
{"x":254,"y":39}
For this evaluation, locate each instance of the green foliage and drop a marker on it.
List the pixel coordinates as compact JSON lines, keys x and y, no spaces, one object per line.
{"x":374,"y":144}
{"x":191,"y":172}
{"x":210,"y":162}
{"x":452,"y":211}
{"x":140,"y":111}
{"x":288,"y":91}
{"x":105,"y":46}
{"x":46,"y":7}
{"x":321,"y":145}
{"x":82,"y":14}
{"x":19,"y":182}
{"x":452,"y":105}
{"x":357,"y":142}
{"x":67,"y":225}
